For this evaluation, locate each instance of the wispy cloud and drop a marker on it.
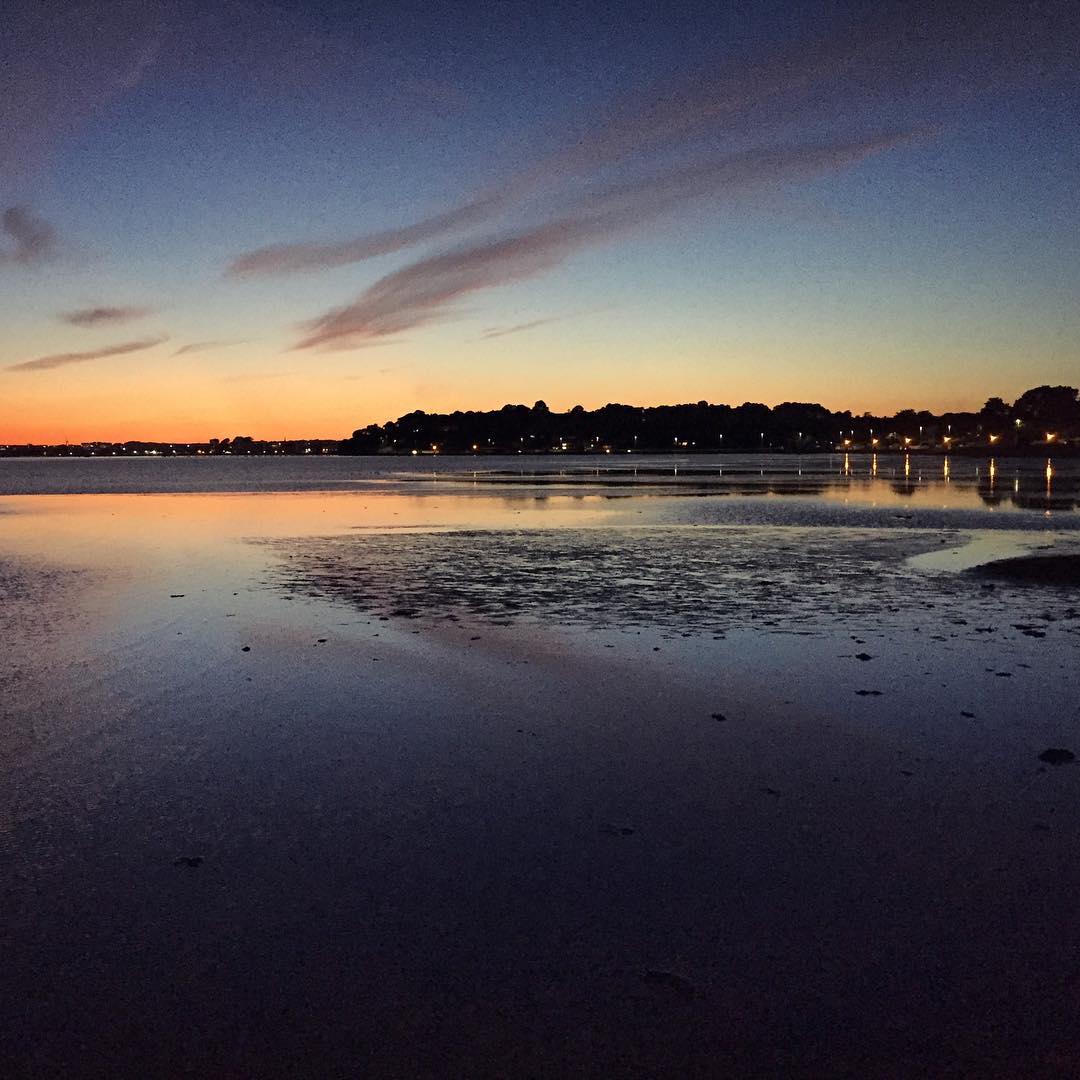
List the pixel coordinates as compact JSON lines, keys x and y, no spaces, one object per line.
{"x":640,"y":127}
{"x":27,"y":239}
{"x":103,"y":316}
{"x":920,"y":58}
{"x":204,"y":346}
{"x":518,"y":328}
{"x":426,"y":290}
{"x":291,"y":258}
{"x":62,"y":63}
{"x":56,"y":360}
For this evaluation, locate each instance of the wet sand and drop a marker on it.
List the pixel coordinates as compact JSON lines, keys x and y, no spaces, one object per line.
{"x":287,"y":800}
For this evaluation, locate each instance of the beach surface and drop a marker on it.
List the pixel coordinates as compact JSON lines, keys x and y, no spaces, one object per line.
{"x":539,"y":778}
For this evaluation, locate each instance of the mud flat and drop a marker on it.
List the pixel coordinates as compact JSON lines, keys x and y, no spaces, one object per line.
{"x":284,"y":796}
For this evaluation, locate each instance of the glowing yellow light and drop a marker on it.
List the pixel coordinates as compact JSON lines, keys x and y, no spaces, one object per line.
{"x":475,"y":447}
{"x":1051,"y":436}
{"x":907,"y":440}
{"x":994,"y":439}
{"x":415,"y":452}
{"x":873,"y":442}
{"x":847,"y":442}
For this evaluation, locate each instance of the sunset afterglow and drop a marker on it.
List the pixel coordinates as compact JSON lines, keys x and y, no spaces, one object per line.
{"x":291,"y":222}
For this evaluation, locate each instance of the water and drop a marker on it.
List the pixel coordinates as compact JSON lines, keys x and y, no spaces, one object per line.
{"x":534,"y":732}
{"x":1022,"y":489}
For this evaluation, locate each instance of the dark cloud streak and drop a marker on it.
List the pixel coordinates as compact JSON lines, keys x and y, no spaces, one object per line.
{"x":57,"y":360}
{"x":921,"y":58}
{"x":103,"y":316}
{"x":421,"y":293}
{"x":293,"y":258}
{"x":519,"y":328}
{"x":204,"y":346}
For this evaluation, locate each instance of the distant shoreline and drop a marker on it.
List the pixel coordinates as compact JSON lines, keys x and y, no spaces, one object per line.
{"x":166,"y":450}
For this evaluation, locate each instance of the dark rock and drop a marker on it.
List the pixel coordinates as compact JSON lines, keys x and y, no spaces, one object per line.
{"x":868,"y":693}
{"x":969,"y":715}
{"x":1055,"y":755}
{"x":246,"y":648}
{"x":188,"y":860}
{"x":863,"y":656}
{"x":1034,"y":569}
{"x":718,"y":716}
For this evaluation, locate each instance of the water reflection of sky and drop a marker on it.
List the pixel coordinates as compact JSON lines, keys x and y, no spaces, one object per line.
{"x":880,"y":480}
{"x":170,"y":535}
{"x":873,"y":480}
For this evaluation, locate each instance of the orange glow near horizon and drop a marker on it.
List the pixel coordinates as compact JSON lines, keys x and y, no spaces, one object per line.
{"x":87,"y":404}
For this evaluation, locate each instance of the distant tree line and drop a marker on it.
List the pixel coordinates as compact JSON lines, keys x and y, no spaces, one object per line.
{"x":1045,"y":414}
{"x":1043,"y":417}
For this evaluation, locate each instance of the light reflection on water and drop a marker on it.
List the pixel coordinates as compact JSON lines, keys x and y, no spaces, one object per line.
{"x":875,"y":479}
{"x":328,"y":497}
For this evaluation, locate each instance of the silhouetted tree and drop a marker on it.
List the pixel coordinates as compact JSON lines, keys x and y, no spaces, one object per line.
{"x":1048,"y":406}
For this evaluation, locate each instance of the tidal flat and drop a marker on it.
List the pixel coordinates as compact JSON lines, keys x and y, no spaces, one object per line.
{"x":488,"y":769}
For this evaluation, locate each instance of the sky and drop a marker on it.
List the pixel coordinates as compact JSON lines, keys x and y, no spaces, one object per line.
{"x":292,"y":220}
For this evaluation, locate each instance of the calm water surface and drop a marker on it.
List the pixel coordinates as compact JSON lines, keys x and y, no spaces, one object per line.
{"x":1027,"y":486}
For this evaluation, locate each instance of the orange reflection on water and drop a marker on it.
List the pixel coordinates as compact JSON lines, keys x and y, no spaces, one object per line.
{"x":107,"y":530}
